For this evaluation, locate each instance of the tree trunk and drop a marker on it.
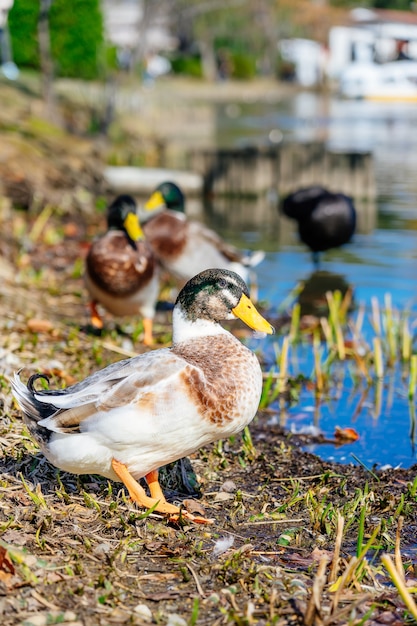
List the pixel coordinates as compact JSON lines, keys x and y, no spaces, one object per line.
{"x":208,"y":58}
{"x":46,"y":63}
{"x":140,"y":50}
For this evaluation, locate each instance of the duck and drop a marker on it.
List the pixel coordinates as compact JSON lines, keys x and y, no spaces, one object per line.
{"x":185,"y":247}
{"x":121,"y":271}
{"x":125,"y":421}
{"x":325,"y":219}
{"x":173,"y":196}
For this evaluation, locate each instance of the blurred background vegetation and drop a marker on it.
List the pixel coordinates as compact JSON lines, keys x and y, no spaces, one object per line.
{"x":233,"y":38}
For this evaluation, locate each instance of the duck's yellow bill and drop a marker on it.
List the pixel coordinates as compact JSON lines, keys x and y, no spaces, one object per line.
{"x":133,"y":227}
{"x":246,"y":311}
{"x":156,"y":201}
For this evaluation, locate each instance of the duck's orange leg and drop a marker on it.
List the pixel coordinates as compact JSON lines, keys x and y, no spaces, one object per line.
{"x":154,"y":486}
{"x":95,"y":317}
{"x":138,"y":495}
{"x":147,"y":331}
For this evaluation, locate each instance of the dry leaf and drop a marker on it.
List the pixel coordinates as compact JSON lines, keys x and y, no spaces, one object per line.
{"x":71,"y":229}
{"x":39,"y":326}
{"x":194,"y":507}
{"x":317,"y":554}
{"x":345,"y":434}
{"x":7,"y":570}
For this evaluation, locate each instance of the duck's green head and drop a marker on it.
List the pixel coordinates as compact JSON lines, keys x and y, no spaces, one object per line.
{"x":166,"y":196}
{"x":216,"y":295}
{"x":122,"y":215}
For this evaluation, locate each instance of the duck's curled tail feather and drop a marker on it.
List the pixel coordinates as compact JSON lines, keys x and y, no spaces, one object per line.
{"x":33,"y":409}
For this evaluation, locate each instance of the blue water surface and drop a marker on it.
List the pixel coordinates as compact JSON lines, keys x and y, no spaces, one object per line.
{"x":378,"y":262}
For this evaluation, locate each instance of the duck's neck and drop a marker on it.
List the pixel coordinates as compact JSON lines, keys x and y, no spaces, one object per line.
{"x":185,"y":330}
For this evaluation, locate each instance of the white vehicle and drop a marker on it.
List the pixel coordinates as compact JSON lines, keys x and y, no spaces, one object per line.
{"x":395,"y":81}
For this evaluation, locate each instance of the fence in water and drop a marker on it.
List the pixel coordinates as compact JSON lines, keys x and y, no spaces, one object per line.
{"x":255,"y":170}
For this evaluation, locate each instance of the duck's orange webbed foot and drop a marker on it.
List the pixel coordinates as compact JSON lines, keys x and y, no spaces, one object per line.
{"x":95,"y":318}
{"x":184,"y":515}
{"x":157,"y":500}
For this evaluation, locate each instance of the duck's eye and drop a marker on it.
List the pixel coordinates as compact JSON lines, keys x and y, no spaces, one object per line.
{"x":222,"y":283}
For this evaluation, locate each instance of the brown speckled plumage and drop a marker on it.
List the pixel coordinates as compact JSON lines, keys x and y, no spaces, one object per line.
{"x":118,"y":267}
{"x":185,"y":247}
{"x":226,"y":372}
{"x":167,"y":234}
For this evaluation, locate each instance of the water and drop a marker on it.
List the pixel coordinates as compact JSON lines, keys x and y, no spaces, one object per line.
{"x":379,"y":261}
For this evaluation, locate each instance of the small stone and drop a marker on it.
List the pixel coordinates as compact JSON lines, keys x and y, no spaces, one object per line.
{"x":222,"y":496}
{"x":101,"y":549}
{"x":127,"y":345}
{"x":144,"y":612}
{"x":214,"y":598}
{"x":44,"y":618}
{"x":228,"y":486}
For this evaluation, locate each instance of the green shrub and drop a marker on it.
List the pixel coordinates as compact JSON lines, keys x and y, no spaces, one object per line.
{"x":76,"y":30}
{"x":243,"y":65}
{"x":77,"y":38}
{"x":189,"y":65}
{"x":23,"y":24}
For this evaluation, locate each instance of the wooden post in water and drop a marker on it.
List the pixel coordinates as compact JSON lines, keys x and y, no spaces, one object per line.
{"x":262,"y":172}
{"x":254,"y":171}
{"x":236,"y":172}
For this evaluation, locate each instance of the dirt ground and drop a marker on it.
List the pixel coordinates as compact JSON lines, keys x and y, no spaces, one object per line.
{"x":295,"y":541}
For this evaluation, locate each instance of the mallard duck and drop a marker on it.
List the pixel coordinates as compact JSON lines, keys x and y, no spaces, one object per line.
{"x":185,"y":247}
{"x":132,"y":417}
{"x":173,"y":196}
{"x":121,"y":272}
{"x":325,"y":219}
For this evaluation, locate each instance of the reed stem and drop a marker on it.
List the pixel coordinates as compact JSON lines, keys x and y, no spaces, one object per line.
{"x":378,"y":359}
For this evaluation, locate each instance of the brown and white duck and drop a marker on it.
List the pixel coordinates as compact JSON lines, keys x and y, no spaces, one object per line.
{"x":186,"y":247}
{"x":132,"y":417}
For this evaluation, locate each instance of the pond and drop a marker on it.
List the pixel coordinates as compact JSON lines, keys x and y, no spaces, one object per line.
{"x":381,"y":260}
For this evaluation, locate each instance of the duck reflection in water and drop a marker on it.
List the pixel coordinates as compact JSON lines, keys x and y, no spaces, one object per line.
{"x":313,"y":299}
{"x":325,"y":219}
